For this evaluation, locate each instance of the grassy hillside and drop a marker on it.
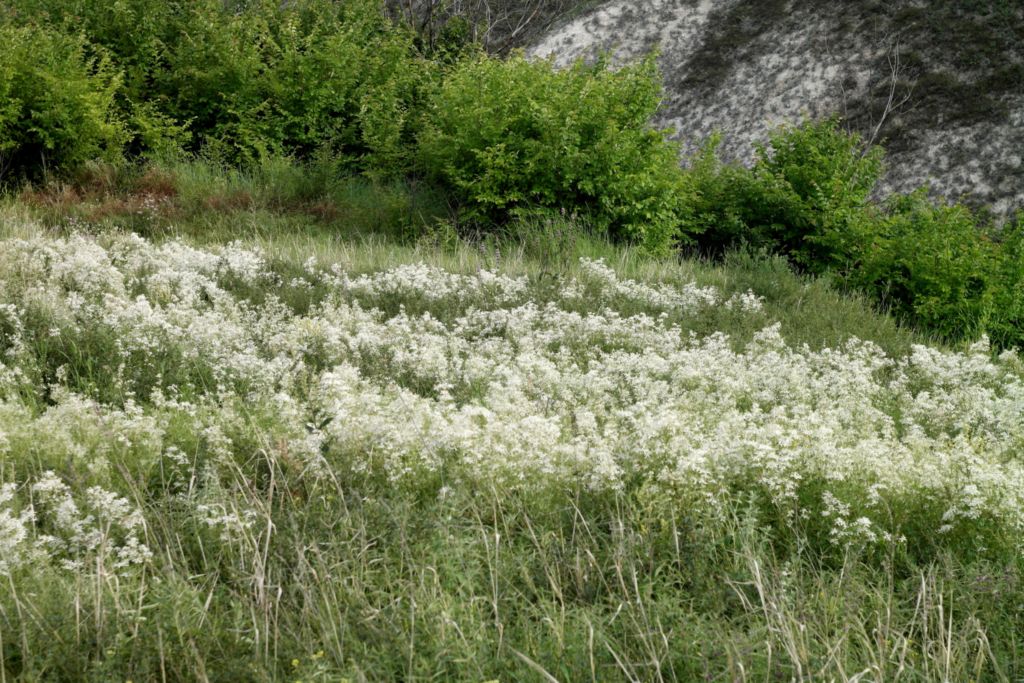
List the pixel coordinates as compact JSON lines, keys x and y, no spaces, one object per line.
{"x":245,"y":443}
{"x":315,"y":100}
{"x":334,"y":348}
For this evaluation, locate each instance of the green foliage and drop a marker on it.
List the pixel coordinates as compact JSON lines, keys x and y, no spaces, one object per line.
{"x":818,"y":180}
{"x":292,"y":80}
{"x":343,"y":88}
{"x":259,"y":79}
{"x":512,"y":135}
{"x":723,"y":200}
{"x":136,"y":32}
{"x":1005,"y":322}
{"x":930,"y":262}
{"x":805,"y":197}
{"x":809,"y":198}
{"x":56,"y":102}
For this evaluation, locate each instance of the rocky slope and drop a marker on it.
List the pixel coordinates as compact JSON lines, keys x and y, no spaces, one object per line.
{"x":940,"y":83}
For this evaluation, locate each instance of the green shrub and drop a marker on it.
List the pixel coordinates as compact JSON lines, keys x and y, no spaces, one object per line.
{"x":1006,"y":323}
{"x":511,"y":136}
{"x":821,"y":179}
{"x":136,"y":35}
{"x":932,"y":263}
{"x":258,"y":79}
{"x":292,"y":79}
{"x":56,"y":103}
{"x":724,"y":201}
{"x":807,"y":196}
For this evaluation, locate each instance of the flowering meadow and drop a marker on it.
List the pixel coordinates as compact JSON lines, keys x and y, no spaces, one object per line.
{"x":216,"y":465}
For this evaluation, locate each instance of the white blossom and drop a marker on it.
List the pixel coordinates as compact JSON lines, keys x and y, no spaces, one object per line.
{"x":415,"y":373}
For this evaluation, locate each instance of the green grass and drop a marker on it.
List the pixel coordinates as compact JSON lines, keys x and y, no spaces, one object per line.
{"x":354,"y":582}
{"x":350,"y":578}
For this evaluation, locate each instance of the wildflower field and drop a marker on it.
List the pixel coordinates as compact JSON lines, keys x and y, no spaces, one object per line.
{"x":227,"y":462}
{"x":341,"y":341}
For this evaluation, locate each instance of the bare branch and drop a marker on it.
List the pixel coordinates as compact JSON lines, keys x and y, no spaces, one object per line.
{"x":891,"y":103}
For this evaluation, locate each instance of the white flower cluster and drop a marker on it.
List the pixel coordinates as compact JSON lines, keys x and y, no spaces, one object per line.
{"x":14,"y":531}
{"x":575,"y":390}
{"x":420,"y":282}
{"x":99,"y":530}
{"x":598,"y":283}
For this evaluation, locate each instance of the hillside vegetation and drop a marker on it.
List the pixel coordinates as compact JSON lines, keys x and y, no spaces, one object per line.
{"x":335,"y":347}
{"x":341,"y":88}
{"x":317,"y":460}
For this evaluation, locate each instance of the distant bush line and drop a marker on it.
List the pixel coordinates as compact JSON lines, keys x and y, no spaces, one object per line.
{"x":810,"y":196}
{"x":244,"y":82}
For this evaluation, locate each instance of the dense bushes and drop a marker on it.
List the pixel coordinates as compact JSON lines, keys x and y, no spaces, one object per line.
{"x":806,"y":196}
{"x":931,"y":262}
{"x":1005,"y":325}
{"x":514,"y":135}
{"x":245,"y":81}
{"x":818,"y":180}
{"x":809,"y":197}
{"x":56,"y":102}
{"x":272,"y":81}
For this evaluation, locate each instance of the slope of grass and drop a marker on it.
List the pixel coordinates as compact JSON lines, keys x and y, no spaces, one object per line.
{"x":220,"y":463}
